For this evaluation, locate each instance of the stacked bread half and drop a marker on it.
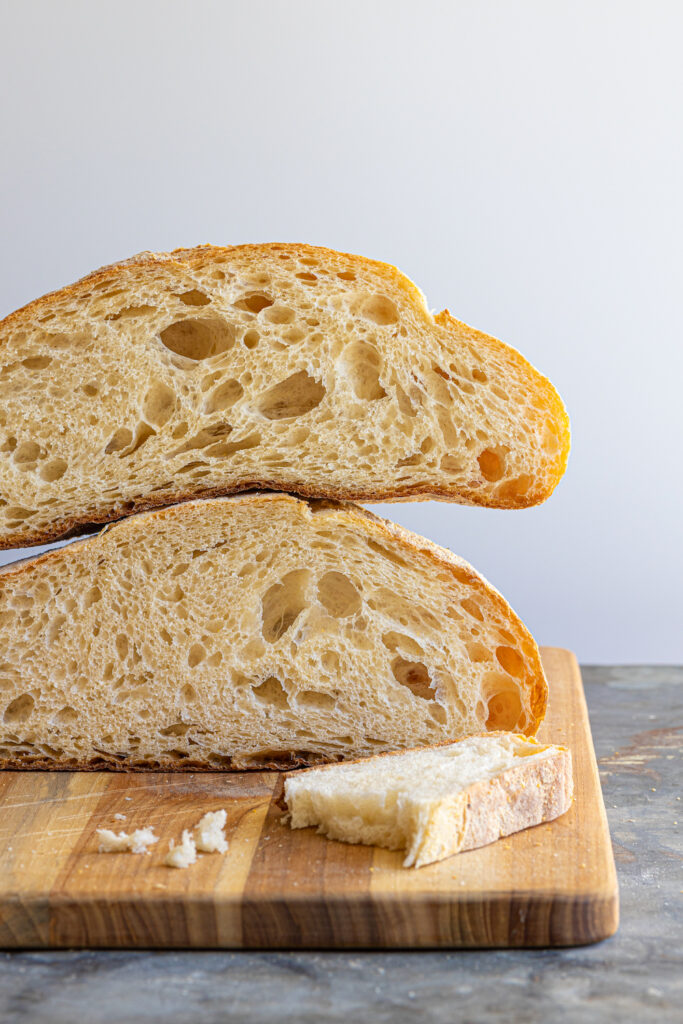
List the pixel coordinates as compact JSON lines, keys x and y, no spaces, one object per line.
{"x":222,"y":409}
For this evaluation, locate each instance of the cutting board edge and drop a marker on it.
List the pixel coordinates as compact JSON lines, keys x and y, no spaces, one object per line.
{"x":506,"y":918}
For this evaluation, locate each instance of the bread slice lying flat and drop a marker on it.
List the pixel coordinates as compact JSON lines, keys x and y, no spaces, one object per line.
{"x":435,"y":801}
{"x":212,"y":371}
{"x":260,"y":630}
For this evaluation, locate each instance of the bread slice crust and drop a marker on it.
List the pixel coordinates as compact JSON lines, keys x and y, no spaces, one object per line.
{"x":509,"y":675}
{"x":437,"y":380}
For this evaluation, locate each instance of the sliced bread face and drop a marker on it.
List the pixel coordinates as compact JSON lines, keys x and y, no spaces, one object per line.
{"x":249,"y":632}
{"x":211,"y":371}
{"x":435,"y":801}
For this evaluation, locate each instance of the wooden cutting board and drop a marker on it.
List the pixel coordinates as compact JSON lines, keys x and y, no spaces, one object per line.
{"x":552,"y":885}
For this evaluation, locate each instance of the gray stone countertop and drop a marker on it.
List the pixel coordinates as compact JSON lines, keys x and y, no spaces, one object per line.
{"x":636,"y":716}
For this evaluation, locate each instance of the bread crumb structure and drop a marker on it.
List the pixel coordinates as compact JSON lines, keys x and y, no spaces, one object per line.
{"x":208,"y":834}
{"x":437,"y":801}
{"x":183,"y":854}
{"x":137,"y":842}
{"x":250,"y":632}
{"x":215,"y":370}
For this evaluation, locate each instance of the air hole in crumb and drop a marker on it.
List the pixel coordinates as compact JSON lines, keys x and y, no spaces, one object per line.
{"x":479,"y":375}
{"x":251,"y":339}
{"x":307,"y":278}
{"x":282,"y":604}
{"x":53,"y":470}
{"x":346,"y":275}
{"x":277,"y":314}
{"x":511,"y":660}
{"x":91,"y":596}
{"x":338,"y":595}
{"x":196,"y":655}
{"x":492,"y":464}
{"x":175,"y":729}
{"x":224,"y":396}
{"x":451,"y":464}
{"x":198,"y":339}
{"x":316,"y":699}
{"x":271,"y":691}
{"x":65,"y":716}
{"x":438,"y":713}
{"x":119,"y":440}
{"x":415,"y":675}
{"x":189,"y":694}
{"x":142,"y":434}
{"x":380,"y":309}
{"x":194,"y":298}
{"x":253,"y":303}
{"x":385,"y":552}
{"x":159,"y":404}
{"x":472,"y":608}
{"x":223,"y":450}
{"x":36,"y":362}
{"x":28,"y":451}
{"x":19,"y":709}
{"x":361,"y":364}
{"x":129,"y":313}
{"x":404,"y":404}
{"x":293,"y":335}
{"x":477,"y":652}
{"x":503,"y":700}
{"x":330,"y":661}
{"x":295,"y":396}
{"x":515,"y":489}
{"x":203,"y":438}
{"x":394,"y":641}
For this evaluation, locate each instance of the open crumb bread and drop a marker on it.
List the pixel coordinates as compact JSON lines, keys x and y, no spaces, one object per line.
{"x":215,"y":370}
{"x":254,"y":631}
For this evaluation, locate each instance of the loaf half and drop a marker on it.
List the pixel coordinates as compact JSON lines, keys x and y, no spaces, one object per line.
{"x":210,"y":371}
{"x":435,"y":801}
{"x":249,"y":632}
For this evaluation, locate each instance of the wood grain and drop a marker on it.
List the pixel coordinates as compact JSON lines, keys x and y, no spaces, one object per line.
{"x":551,"y":885}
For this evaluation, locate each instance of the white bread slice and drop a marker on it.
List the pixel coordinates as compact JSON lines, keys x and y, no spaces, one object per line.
{"x":212,"y":371}
{"x":435,"y":801}
{"x":249,"y":632}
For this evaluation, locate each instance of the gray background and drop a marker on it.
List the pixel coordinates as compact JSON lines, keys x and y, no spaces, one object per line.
{"x":521,"y":161}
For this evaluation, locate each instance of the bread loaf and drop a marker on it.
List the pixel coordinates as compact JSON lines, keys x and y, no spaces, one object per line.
{"x":255,"y":631}
{"x":435,"y":801}
{"x":211,"y":371}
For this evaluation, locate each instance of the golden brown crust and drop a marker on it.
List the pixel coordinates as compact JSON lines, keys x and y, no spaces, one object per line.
{"x":552,"y":409}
